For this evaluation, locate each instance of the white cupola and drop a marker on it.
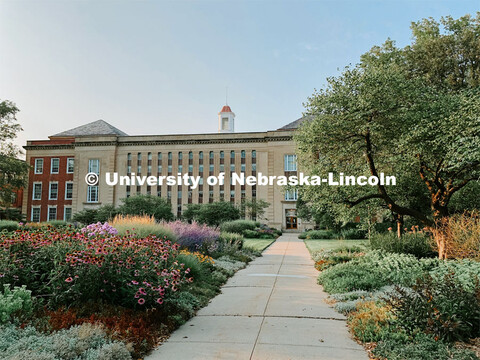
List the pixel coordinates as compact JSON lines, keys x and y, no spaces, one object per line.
{"x":226,"y":120}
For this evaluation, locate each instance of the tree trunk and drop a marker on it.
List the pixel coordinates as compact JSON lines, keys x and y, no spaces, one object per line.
{"x":400,"y":222}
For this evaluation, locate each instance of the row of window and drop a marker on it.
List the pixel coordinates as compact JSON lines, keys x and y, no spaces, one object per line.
{"x":54,"y":165}
{"x":52,"y":190}
{"x":51,"y":214}
{"x":243,"y":155}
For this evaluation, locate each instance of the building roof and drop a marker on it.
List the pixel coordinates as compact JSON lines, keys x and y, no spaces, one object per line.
{"x":294,"y":125}
{"x":226,"y":108}
{"x":96,"y":128}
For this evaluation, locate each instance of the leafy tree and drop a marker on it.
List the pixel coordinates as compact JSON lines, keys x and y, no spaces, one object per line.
{"x":154,"y":206}
{"x":254,"y":209}
{"x":191,"y":212}
{"x":214,"y":214}
{"x":412,"y":113}
{"x":12,"y":170}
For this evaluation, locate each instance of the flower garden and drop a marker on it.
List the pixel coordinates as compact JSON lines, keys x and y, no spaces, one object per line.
{"x":401,"y":300}
{"x":109,"y":291}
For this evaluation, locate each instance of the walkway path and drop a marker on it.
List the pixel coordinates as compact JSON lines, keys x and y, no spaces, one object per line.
{"x":273,"y":309}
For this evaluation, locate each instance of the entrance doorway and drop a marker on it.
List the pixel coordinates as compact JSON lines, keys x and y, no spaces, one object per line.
{"x":291,"y":219}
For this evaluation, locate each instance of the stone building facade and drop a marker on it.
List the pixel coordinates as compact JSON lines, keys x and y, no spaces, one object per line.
{"x":57,"y":187}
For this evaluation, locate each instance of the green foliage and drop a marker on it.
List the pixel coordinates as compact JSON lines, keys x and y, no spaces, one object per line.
{"x":415,"y":243}
{"x":374,"y":270}
{"x":413,"y":111}
{"x":327,"y":258}
{"x":15,"y":303}
{"x":105,"y":213}
{"x":238,"y":226}
{"x":143,"y":230}
{"x":229,"y":265}
{"x":440,"y":307}
{"x":420,"y":346}
{"x":351,"y":234}
{"x":320,"y":234}
{"x":253,"y":209}
{"x":87,"y":216}
{"x":371,"y":321}
{"x":13,"y":174}
{"x":84,"y":342}
{"x":150,"y":205}
{"x":8,"y":225}
{"x":214,"y":214}
{"x":231,"y":239}
{"x":11,"y":214}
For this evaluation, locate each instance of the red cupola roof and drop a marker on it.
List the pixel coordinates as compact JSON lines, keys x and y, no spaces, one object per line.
{"x":226,"y":108}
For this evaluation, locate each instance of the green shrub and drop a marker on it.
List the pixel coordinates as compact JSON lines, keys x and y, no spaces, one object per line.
{"x":250,"y":234}
{"x":420,"y":346}
{"x":84,"y":342}
{"x":149,"y":205}
{"x":238,"y":226}
{"x":417,"y":243}
{"x":321,"y":234}
{"x":15,"y":303}
{"x":8,"y":225}
{"x":231,"y":239}
{"x":229,"y":265}
{"x":350,"y":234}
{"x":440,"y":307}
{"x":374,"y":270}
{"x":87,"y":216}
{"x":327,"y":258}
{"x":303,"y":235}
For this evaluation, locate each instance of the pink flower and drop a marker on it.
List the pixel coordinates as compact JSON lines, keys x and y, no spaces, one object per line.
{"x":141,"y":301}
{"x":69,"y":279}
{"x":160,"y":301}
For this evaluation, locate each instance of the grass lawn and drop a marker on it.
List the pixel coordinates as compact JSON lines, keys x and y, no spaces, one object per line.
{"x":257,"y":244}
{"x":317,"y":245}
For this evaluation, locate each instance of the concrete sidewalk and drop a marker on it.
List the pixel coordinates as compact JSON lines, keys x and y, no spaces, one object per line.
{"x":272,"y":309}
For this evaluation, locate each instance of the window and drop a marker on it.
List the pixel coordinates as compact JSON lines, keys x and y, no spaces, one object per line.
{"x":38,"y":166}
{"x":211,"y":168}
{"x":52,"y":213}
{"x":190,"y":155}
{"x":68,"y":190}
{"x":222,"y":154}
{"x":53,"y":191}
{"x":149,"y":170}
{"x":70,"y":165}
{"x":149,"y":156}
{"x":254,"y":167}
{"x":222,"y":167}
{"x":129,"y":157}
{"x":190,"y":168}
{"x":291,"y":195}
{"x":232,"y":154}
{"x":254,"y":154}
{"x":180,"y":156}
{"x":128,"y":191}
{"x":139,"y":169}
{"x":67,"y":213}
{"x":200,"y":181}
{"x":200,"y":168}
{"x":200,"y":155}
{"x":224,"y":123}
{"x":232,"y":167}
{"x":37,"y":191}
{"x":35,"y":214}
{"x":242,"y":168}
{"x":243,"y":154}
{"x":169,"y":168}
{"x":169,"y":156}
{"x":180,"y":168}
{"x":232,"y":194}
{"x":211,"y":154}
{"x":55,"y":166}
{"x":92,"y":194}
{"x":94,"y":166}
{"x":179,"y":194}
{"x":290,"y":162}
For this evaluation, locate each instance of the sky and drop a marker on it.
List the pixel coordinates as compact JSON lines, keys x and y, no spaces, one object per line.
{"x":163,"y":67}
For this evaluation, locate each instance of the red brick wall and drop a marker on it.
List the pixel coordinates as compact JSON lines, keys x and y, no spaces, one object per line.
{"x":45,"y":179}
